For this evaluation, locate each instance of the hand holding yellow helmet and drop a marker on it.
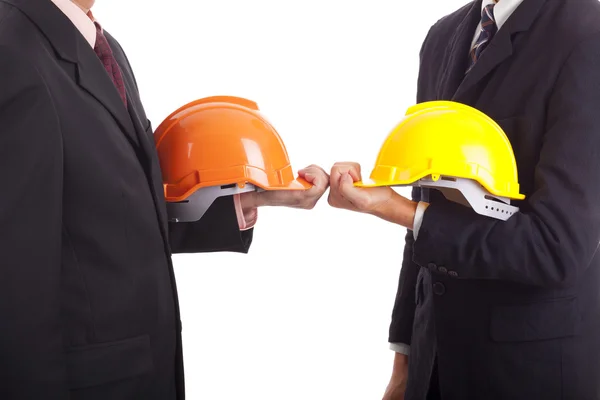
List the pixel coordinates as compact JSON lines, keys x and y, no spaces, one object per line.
{"x":448,"y":145}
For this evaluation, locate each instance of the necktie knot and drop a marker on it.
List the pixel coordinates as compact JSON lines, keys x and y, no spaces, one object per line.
{"x":488,"y":30}
{"x":488,"y":22}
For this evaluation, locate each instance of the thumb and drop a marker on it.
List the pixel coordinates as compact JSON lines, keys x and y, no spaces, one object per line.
{"x":310,"y":178}
{"x":347,"y":188}
{"x":358,"y":197}
{"x":307,"y":174}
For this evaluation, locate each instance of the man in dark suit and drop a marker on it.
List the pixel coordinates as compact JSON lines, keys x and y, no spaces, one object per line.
{"x":88,"y":304}
{"x":490,"y":309}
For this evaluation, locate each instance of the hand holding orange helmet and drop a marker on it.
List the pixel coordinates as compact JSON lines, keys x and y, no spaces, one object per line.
{"x":220,"y":146}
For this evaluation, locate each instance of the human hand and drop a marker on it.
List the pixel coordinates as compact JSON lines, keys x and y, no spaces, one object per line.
{"x":304,"y":199}
{"x":343,"y":194}
{"x":382,"y":202}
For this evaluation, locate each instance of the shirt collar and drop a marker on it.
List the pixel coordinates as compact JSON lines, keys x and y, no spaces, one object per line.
{"x":84,"y":23}
{"x":502,"y":10}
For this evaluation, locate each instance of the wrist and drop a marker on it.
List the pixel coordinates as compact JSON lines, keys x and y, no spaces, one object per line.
{"x":266,"y":198}
{"x":249,"y":200}
{"x":397,"y":209}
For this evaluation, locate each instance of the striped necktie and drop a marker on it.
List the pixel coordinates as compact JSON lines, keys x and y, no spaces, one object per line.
{"x":488,"y":30}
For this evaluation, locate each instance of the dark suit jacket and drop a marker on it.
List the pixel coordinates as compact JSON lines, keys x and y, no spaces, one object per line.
{"x":88,"y":304}
{"x":521,"y":320}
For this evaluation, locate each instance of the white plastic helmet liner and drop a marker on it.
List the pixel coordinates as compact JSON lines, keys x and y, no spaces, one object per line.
{"x":192,"y":209}
{"x":474,"y":194}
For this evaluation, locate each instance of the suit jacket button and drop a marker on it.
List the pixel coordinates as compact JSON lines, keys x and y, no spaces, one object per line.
{"x":432,"y":266}
{"x":439,"y":288}
{"x":442,"y":270}
{"x":453,"y":274}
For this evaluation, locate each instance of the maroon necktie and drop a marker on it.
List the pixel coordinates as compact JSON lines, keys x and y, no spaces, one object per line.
{"x":105,"y":55}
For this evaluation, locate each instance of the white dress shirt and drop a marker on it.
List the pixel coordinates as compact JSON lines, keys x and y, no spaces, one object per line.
{"x":502,"y":11}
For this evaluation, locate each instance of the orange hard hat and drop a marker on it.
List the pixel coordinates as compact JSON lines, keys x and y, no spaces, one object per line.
{"x":219,"y":141}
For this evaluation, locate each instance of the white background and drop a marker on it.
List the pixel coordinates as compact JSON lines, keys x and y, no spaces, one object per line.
{"x":305,"y":315}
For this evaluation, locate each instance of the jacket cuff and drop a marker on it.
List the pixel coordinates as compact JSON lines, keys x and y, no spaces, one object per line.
{"x":442,"y":224}
{"x":401,"y":348}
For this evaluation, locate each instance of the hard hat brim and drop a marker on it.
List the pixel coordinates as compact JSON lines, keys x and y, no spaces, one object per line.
{"x":371,"y":183}
{"x":297,"y":184}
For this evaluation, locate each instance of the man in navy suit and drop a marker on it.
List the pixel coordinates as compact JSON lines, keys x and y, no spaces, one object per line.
{"x":504,"y":310}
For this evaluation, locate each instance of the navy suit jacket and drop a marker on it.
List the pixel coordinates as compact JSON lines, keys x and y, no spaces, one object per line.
{"x":519,"y":317}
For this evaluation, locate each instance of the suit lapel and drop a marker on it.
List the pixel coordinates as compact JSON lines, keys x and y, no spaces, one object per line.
{"x":458,"y":50}
{"x":95,"y":80}
{"x":501,"y":46}
{"x":72,"y":47}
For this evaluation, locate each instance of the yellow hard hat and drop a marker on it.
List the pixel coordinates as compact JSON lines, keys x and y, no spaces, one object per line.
{"x":445,"y":138}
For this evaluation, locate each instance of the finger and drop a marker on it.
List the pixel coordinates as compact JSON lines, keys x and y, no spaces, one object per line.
{"x":350,"y":167}
{"x":334,"y":177}
{"x":318,"y":171}
{"x":320,"y":183}
{"x":336,"y":172}
{"x":303,"y":171}
{"x":314,"y":169}
{"x":335,"y":199}
{"x":312,"y":166}
{"x":316,"y":176}
{"x":355,"y":174}
{"x":348,"y":164}
{"x":309,"y":177}
{"x":321,"y":169}
{"x":347,"y":186}
{"x":355,"y":196}
{"x":322,"y":178}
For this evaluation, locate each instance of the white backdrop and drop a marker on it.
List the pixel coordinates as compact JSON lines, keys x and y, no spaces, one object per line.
{"x":305,"y":315}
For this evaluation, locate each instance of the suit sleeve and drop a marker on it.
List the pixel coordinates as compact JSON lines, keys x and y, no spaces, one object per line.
{"x":403,"y":312}
{"x":555,"y":236}
{"x":218,"y":230}
{"x":32,"y":360}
